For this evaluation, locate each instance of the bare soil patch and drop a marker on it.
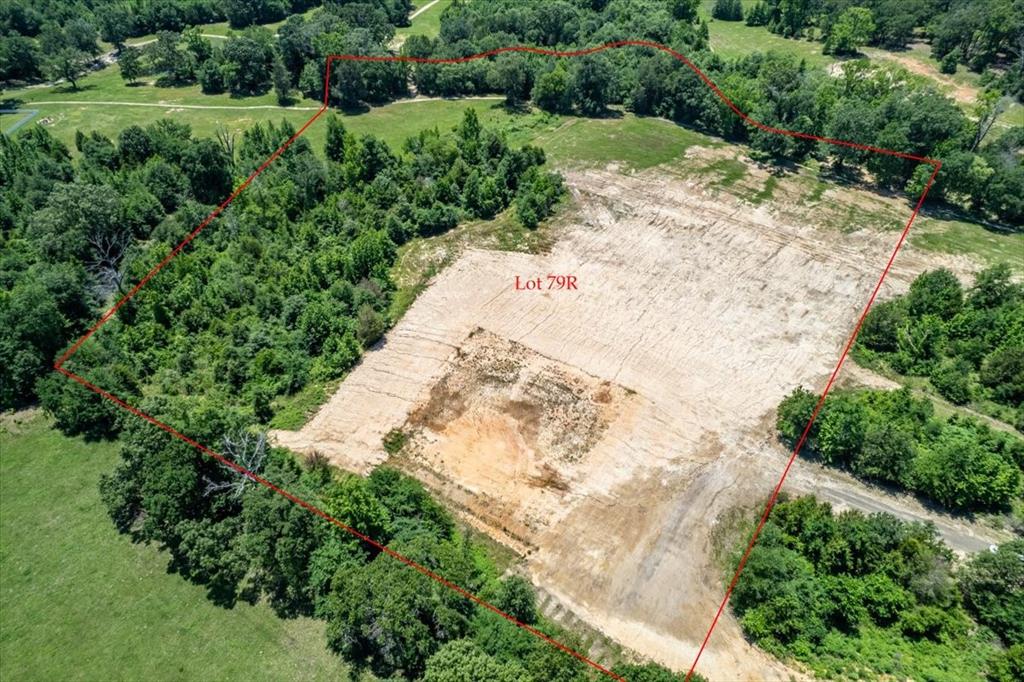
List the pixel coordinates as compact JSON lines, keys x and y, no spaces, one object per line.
{"x":603,"y":432}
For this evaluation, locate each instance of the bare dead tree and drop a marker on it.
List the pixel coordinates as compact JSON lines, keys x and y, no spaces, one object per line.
{"x":108,"y":259}
{"x":249,"y":451}
{"x":227,"y":143}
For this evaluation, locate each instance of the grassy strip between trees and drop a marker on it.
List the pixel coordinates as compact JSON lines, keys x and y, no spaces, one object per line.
{"x":858,"y":597}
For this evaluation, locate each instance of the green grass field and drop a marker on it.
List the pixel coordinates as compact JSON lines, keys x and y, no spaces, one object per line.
{"x":426,"y":24}
{"x":735,"y":39}
{"x":80,"y":602}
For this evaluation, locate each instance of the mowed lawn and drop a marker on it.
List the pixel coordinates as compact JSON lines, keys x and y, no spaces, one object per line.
{"x":735,"y":38}
{"x":428,"y":22}
{"x":78,"y":601}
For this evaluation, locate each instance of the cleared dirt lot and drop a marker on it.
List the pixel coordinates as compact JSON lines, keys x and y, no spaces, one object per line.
{"x":604,"y":432}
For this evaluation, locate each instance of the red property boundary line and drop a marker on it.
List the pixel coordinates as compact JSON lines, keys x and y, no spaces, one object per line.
{"x":59,"y":365}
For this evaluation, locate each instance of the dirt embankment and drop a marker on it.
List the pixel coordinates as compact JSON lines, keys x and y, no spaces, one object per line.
{"x":604,"y":431}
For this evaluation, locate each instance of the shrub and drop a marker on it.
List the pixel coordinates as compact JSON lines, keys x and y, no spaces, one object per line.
{"x":952,"y":379}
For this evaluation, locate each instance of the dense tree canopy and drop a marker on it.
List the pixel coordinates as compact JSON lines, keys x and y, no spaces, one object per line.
{"x":288,"y":286}
{"x":967,"y":342}
{"x":893,"y":437}
{"x":852,"y":594}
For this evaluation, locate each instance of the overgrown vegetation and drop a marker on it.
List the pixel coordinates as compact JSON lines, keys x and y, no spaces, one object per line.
{"x":969,"y":344}
{"x":245,"y":542}
{"x":289,"y":285}
{"x":863,"y":597}
{"x":881,"y":106}
{"x":893,"y":437}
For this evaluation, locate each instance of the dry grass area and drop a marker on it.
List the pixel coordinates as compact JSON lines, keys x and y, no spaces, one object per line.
{"x":603,"y":432}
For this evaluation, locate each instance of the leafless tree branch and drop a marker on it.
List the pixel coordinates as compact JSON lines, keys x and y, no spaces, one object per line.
{"x":107,"y":261}
{"x":247,"y":450}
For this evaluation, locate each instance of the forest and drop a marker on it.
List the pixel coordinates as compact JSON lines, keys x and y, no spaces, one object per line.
{"x":855,"y":596}
{"x":977,"y":34}
{"x":968,"y":344}
{"x":290,"y":284}
{"x":970,"y":347}
{"x":875,"y":105}
{"x":245,"y":542}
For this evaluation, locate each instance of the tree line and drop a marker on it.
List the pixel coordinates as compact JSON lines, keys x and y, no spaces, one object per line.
{"x":970,"y":347}
{"x":895,"y":438}
{"x":245,"y":542}
{"x":968,"y":344}
{"x":865,"y":596}
{"x":54,"y":39}
{"x":288,"y":286}
{"x":882,"y":106}
{"x":978,"y":34}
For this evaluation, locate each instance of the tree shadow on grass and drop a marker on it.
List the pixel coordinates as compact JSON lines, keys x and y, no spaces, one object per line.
{"x":67,"y":89}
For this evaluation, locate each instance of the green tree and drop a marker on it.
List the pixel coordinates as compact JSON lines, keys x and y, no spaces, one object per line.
{"x":794,"y":414}
{"x":130,"y":64}
{"x":133,"y":146}
{"x":883,"y":325}
{"x":959,"y":472}
{"x":516,"y":598}
{"x":464,"y":661}
{"x":1007,"y":666}
{"x":208,"y":172}
{"x":684,"y":10}
{"x":551,"y":90}
{"x":758,"y":15}
{"x":589,"y":85}
{"x":249,"y":62}
{"x":994,"y":286}
{"x":337,"y":138}
{"x":1003,"y":373}
{"x":394,"y":618}
{"x":993,"y":588}
{"x":886,"y":455}
{"x":952,"y":379}
{"x":115,"y":25}
{"x":351,"y":502}
{"x":282,"y":83}
{"x":509,"y":74}
{"x":841,"y":428}
{"x":727,"y":10}
{"x":937,"y":292}
{"x":852,"y":31}
{"x":67,"y":63}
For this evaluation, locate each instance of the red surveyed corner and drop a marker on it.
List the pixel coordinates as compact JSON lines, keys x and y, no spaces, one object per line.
{"x":59,"y":365}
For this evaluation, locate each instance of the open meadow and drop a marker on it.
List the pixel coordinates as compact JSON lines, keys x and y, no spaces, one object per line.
{"x":78,"y":601}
